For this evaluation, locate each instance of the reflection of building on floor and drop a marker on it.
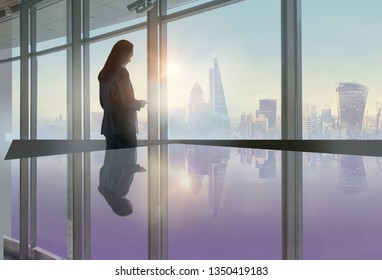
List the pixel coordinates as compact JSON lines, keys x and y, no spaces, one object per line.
{"x":313,"y":161}
{"x":211,"y":162}
{"x":352,"y":177}
{"x":246,"y":156}
{"x":265,"y":161}
{"x":266,"y":164}
{"x":327,"y":160}
{"x":176,"y":155}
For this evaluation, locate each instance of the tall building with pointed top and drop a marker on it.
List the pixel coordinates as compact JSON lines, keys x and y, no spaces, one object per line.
{"x":218,"y":105}
{"x":217,"y":97}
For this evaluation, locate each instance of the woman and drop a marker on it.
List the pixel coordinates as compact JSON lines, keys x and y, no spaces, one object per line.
{"x":120,"y":121}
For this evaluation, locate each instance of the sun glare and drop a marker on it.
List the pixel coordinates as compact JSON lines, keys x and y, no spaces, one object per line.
{"x":173,"y":69}
{"x":177,"y":91}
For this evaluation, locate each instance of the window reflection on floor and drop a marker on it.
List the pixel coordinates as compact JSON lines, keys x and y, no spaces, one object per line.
{"x":223,"y":203}
{"x":342,"y":199}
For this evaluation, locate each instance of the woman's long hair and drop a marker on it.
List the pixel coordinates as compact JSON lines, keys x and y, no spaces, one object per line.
{"x":118,"y":54}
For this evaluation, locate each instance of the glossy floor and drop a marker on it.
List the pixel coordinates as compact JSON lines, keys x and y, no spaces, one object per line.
{"x":208,"y":203}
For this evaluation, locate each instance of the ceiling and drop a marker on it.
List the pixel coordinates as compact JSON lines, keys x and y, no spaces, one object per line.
{"x":51,"y":18}
{"x":8,"y":3}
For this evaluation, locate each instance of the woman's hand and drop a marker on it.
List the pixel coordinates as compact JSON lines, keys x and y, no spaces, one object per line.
{"x":143,"y":103}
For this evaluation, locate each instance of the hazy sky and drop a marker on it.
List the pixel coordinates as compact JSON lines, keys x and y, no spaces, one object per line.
{"x":341,"y":42}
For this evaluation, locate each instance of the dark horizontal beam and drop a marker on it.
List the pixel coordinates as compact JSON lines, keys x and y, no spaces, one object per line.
{"x":36,"y":148}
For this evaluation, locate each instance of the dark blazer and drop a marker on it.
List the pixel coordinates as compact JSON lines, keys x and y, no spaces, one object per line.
{"x":117,"y":172}
{"x":115,"y":178}
{"x":119,"y":104}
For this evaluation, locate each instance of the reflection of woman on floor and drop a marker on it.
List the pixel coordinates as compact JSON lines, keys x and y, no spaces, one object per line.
{"x":115,"y":178}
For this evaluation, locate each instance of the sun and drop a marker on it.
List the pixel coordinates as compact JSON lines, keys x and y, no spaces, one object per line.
{"x":176,"y":82}
{"x":173,"y":69}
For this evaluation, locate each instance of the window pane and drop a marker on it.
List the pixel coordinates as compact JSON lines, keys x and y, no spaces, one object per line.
{"x":174,"y":6}
{"x":10,"y":37}
{"x":15,"y":100}
{"x":138,"y":73}
{"x":52,"y":96}
{"x":51,"y":24}
{"x":109,"y":15}
{"x":9,"y":170}
{"x":341,"y":69}
{"x":224,"y":74}
{"x":15,"y":134}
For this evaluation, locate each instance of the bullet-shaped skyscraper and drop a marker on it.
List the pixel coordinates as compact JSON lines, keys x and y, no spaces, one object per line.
{"x":351,"y":101}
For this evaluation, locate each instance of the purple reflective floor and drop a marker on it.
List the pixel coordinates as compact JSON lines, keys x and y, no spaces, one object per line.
{"x":222,"y":203}
{"x":342,"y":206}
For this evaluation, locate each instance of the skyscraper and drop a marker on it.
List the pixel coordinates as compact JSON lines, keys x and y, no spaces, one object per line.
{"x":209,"y":120}
{"x":217,"y":97}
{"x":351,"y":101}
{"x":268,"y":108}
{"x":197,"y":112}
{"x":218,"y":107}
{"x":247,"y":125}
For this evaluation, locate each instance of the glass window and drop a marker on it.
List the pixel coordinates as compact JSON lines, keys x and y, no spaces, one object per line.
{"x":9,"y":37}
{"x":52,"y":96}
{"x":51,"y":21}
{"x":174,"y":6}
{"x":138,"y":73}
{"x":341,"y":69}
{"x":9,"y":114}
{"x":15,"y":101}
{"x":15,"y":202}
{"x":224,"y":78}
{"x":15,"y":134}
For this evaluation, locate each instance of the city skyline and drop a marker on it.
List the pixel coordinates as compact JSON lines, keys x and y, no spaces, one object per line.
{"x":249,"y":65}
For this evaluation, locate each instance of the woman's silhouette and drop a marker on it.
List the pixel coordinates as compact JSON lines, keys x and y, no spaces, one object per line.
{"x":120,"y":121}
{"x":115,"y":178}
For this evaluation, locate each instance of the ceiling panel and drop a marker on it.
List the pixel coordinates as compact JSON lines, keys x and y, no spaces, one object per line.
{"x":51,"y":21}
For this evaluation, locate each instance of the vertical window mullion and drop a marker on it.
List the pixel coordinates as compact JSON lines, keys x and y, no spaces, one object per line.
{"x":24,"y":128}
{"x":86,"y":115}
{"x":153,"y":132}
{"x":33,"y":106}
{"x":163,"y":108}
{"x":77,"y":168}
{"x":291,"y":128}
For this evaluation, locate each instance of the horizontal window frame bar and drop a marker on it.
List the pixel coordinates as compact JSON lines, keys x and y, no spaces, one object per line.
{"x":36,"y":148}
